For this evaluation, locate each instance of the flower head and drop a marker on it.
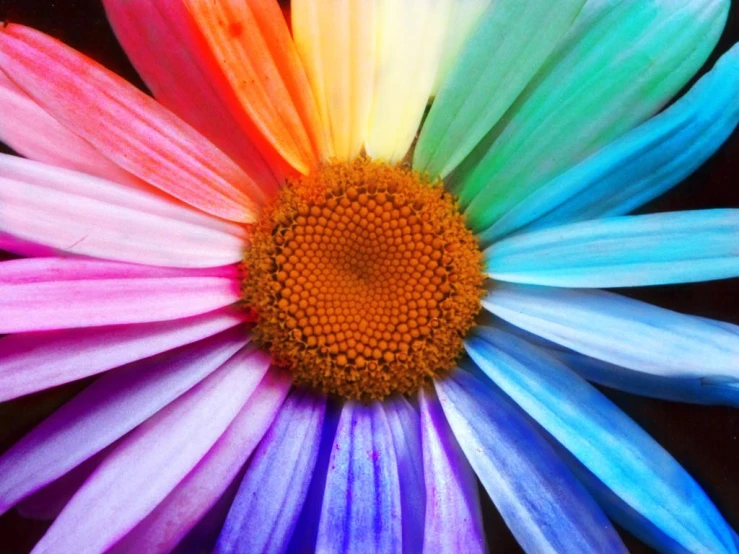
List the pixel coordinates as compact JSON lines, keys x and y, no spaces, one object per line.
{"x":338,"y":269}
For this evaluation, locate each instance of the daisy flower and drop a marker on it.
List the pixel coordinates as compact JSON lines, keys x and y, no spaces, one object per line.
{"x":347,"y":261}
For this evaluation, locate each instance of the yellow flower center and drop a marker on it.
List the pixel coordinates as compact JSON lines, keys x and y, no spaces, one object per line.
{"x":365,"y":280}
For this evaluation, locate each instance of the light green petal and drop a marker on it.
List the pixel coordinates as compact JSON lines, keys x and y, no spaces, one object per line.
{"x":622,"y":61}
{"x":510,"y":44}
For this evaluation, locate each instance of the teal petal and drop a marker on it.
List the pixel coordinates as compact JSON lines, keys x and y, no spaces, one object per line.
{"x":511,"y":43}
{"x":642,"y":164}
{"x":626,"y":251}
{"x":604,"y":439}
{"x":619,"y":330}
{"x":619,"y":65}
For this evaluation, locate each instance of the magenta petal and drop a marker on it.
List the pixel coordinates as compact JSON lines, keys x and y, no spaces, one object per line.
{"x":44,"y":294}
{"x":452,"y":498}
{"x":105,"y":411}
{"x":26,"y":248}
{"x":171,"y":520}
{"x":31,"y":362}
{"x":152,"y":460}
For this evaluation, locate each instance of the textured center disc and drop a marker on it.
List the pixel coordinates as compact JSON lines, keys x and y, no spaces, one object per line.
{"x":365,"y":280}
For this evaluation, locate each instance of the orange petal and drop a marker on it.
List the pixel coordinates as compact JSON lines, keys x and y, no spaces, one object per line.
{"x":252,"y":44}
{"x":127,"y":126}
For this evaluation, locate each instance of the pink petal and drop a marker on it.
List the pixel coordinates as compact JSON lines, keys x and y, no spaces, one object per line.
{"x":21,"y":247}
{"x":43,"y":294}
{"x":130,"y":128}
{"x":85,"y":215}
{"x":163,"y":42}
{"x":153,"y":460}
{"x":31,"y":362}
{"x":47,"y":503}
{"x":105,"y":411}
{"x":170,"y":522}
{"x":33,"y":133}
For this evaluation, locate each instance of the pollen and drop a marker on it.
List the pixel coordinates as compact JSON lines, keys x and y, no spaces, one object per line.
{"x":364,"y":279}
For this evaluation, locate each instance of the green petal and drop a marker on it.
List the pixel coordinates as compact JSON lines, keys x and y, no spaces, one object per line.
{"x":622,"y":61}
{"x":510,"y":44}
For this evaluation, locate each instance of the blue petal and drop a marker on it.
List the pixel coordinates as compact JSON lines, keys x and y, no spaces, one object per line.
{"x":452,"y":499}
{"x":361,"y":509}
{"x":405,"y":427}
{"x":267,"y":506}
{"x":620,"y":330}
{"x":625,"y":251}
{"x":542,"y":503}
{"x":606,"y":441}
{"x":641,"y":165}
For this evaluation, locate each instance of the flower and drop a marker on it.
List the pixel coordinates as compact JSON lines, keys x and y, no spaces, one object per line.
{"x":148,"y":226}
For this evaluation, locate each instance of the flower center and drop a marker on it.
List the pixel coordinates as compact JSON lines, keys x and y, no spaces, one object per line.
{"x":365,"y":280}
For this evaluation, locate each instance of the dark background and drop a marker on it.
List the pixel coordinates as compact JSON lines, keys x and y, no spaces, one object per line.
{"x":704,"y":439}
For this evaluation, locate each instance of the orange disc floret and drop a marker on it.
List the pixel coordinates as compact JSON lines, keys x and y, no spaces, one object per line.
{"x":365,"y":279}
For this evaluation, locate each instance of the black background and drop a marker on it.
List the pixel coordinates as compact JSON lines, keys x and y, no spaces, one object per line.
{"x":704,"y":439}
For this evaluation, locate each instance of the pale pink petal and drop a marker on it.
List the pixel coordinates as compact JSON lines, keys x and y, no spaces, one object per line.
{"x":170,"y":522}
{"x":85,"y":215}
{"x":129,"y":127}
{"x":31,"y":362}
{"x":43,"y":294}
{"x":168,"y":51}
{"x":153,"y":460}
{"x":47,"y":503}
{"x":30,"y":131}
{"x":105,"y":411}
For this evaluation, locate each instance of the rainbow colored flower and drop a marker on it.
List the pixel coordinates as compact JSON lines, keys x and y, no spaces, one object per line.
{"x":347,"y":262}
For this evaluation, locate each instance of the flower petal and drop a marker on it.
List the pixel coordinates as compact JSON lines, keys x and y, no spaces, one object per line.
{"x":695,"y":390}
{"x":80,"y":214}
{"x":502,"y":55}
{"x":25,"y":248}
{"x":171,"y":520}
{"x":130,"y":128}
{"x":463,"y":20}
{"x":627,"y":251}
{"x":33,"y":133}
{"x":620,"y":330}
{"x":542,"y":503}
{"x":452,"y":500}
{"x":628,"y":461}
{"x":266,"y":509}
{"x":153,"y":459}
{"x":105,"y":411}
{"x":640,"y":165}
{"x":405,"y":427}
{"x":34,"y":296}
{"x":31,"y":362}
{"x":361,"y":509}
{"x":619,"y":65}
{"x":336,"y":41}
{"x":162,"y":41}
{"x":410,"y":39}
{"x":251,"y":44}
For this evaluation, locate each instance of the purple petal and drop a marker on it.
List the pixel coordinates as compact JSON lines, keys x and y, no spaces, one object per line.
{"x":107,"y":410}
{"x":542,"y":503}
{"x":171,"y":520}
{"x":268,"y":504}
{"x":361,"y":509}
{"x":153,"y":460}
{"x":405,"y":427}
{"x":31,"y":362}
{"x":452,"y":499}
